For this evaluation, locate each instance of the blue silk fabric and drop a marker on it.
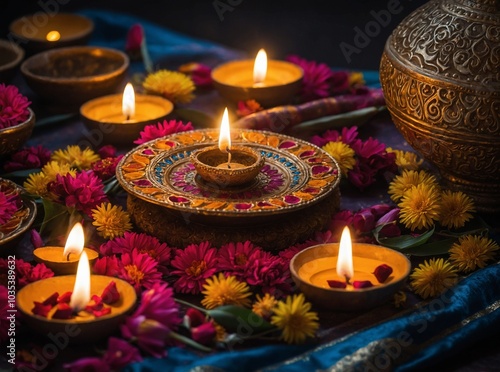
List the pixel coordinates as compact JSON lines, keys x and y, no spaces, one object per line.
{"x":413,"y":339}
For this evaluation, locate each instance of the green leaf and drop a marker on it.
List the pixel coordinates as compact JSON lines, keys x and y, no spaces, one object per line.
{"x":436,"y":248}
{"x":198,"y":118}
{"x":23,"y":173}
{"x":239,"y":320}
{"x":357,"y":117}
{"x":402,"y":242}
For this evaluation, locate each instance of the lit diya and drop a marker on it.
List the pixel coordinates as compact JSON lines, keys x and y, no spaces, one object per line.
{"x":82,"y":308}
{"x":346,"y":276}
{"x":64,"y":260}
{"x":270,"y":83}
{"x":226,"y":165}
{"x":119,"y":118}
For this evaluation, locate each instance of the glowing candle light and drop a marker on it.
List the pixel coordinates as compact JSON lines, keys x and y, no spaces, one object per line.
{"x":53,"y":36}
{"x":345,"y":266}
{"x":128,"y":102}
{"x":260,"y":68}
{"x":81,"y":291}
{"x":225,"y":137}
{"x":75,"y":241}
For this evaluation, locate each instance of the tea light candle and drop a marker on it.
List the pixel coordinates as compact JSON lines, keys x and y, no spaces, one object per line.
{"x":82,"y":326}
{"x":121,"y":117}
{"x":64,"y":261}
{"x":242,"y":165}
{"x":269,"y":82}
{"x":347,"y":263}
{"x":40,"y":31}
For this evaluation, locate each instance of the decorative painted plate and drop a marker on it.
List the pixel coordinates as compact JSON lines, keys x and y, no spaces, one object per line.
{"x":295,"y":174}
{"x":22,"y":219}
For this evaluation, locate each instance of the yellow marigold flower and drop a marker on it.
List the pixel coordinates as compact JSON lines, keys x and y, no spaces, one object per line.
{"x":406,"y":180}
{"x":472,"y":252}
{"x":111,"y":220}
{"x":356,"y":78}
{"x":295,"y":319}
{"x":74,"y":156}
{"x":420,"y":207}
{"x":406,"y":160}
{"x":220,"y":332}
{"x":221,"y":290}
{"x":264,"y":305}
{"x":433,"y":277}
{"x":173,"y":85}
{"x":343,"y":153}
{"x":458,"y":208}
{"x":36,"y":183}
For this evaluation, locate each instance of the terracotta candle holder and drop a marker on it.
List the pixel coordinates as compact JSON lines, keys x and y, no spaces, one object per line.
{"x":106,"y":115}
{"x":83,"y":327}
{"x":39,"y":31}
{"x":55,"y":260}
{"x":313,"y":267}
{"x":236,"y":81}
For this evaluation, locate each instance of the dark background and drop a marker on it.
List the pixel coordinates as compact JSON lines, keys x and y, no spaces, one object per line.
{"x":311,"y":29}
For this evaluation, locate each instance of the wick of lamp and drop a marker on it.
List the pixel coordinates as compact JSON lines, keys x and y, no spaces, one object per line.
{"x":228,"y":158}
{"x":67,"y":256}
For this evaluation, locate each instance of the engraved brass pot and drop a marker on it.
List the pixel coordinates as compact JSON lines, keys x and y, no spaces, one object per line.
{"x":440,"y":72}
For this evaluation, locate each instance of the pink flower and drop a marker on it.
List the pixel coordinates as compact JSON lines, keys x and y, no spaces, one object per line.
{"x":25,"y":272}
{"x":204,"y":334}
{"x":135,"y":37}
{"x":120,"y":353}
{"x":144,"y":243}
{"x":13,"y":106}
{"x":158,"y":303}
{"x":233,"y":258}
{"x":4,"y":314}
{"x":8,"y":206}
{"x":139,"y":269}
{"x":347,"y":136}
{"x":150,"y":335}
{"x":391,"y":229}
{"x":194,"y":265}
{"x":339,"y":82}
{"x":315,"y":83}
{"x":108,"y":266}
{"x":106,"y":168}
{"x":28,"y":158}
{"x":36,"y":239}
{"x":340,"y":220}
{"x":154,"y":131}
{"x":364,"y":220}
{"x":84,"y":191}
{"x":200,"y":73}
{"x":362,"y":176}
{"x":87,"y":364}
{"x":107,"y":151}
{"x":269,"y":272}
{"x":194,"y":317}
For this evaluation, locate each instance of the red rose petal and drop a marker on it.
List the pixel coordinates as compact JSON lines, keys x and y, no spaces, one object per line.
{"x":64,"y":311}
{"x":110,"y":294}
{"x":65,"y":297}
{"x":51,"y":300}
{"x":99,"y":313}
{"x":362,"y":284}
{"x":336,"y":284}
{"x":41,"y":309}
{"x":382,"y":272}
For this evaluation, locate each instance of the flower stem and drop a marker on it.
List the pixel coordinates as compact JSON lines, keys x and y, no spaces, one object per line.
{"x":189,"y":342}
{"x":204,"y":311}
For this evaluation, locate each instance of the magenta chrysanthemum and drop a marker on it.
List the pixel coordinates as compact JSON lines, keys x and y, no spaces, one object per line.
{"x":139,"y":269}
{"x":269,"y":272}
{"x":144,"y":243}
{"x":25,"y":272}
{"x":13,"y":106}
{"x":152,"y":132}
{"x":4,"y":306}
{"x":158,"y":303}
{"x":120,"y":354}
{"x":194,"y":265}
{"x":105,"y":168}
{"x":28,"y":158}
{"x":83,"y":191}
{"x":8,"y":206}
{"x":233,"y":257}
{"x":346,"y":135}
{"x":316,"y":80}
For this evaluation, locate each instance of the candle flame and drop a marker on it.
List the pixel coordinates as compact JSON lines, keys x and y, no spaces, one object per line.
{"x":128,"y":102}
{"x":75,"y":241}
{"x":344,"y":261}
{"x":53,"y":36}
{"x":225,"y":134}
{"x":81,"y":291}
{"x":260,"y":67}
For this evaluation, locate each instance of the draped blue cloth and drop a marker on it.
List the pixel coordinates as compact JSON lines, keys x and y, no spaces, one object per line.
{"x":413,"y":339}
